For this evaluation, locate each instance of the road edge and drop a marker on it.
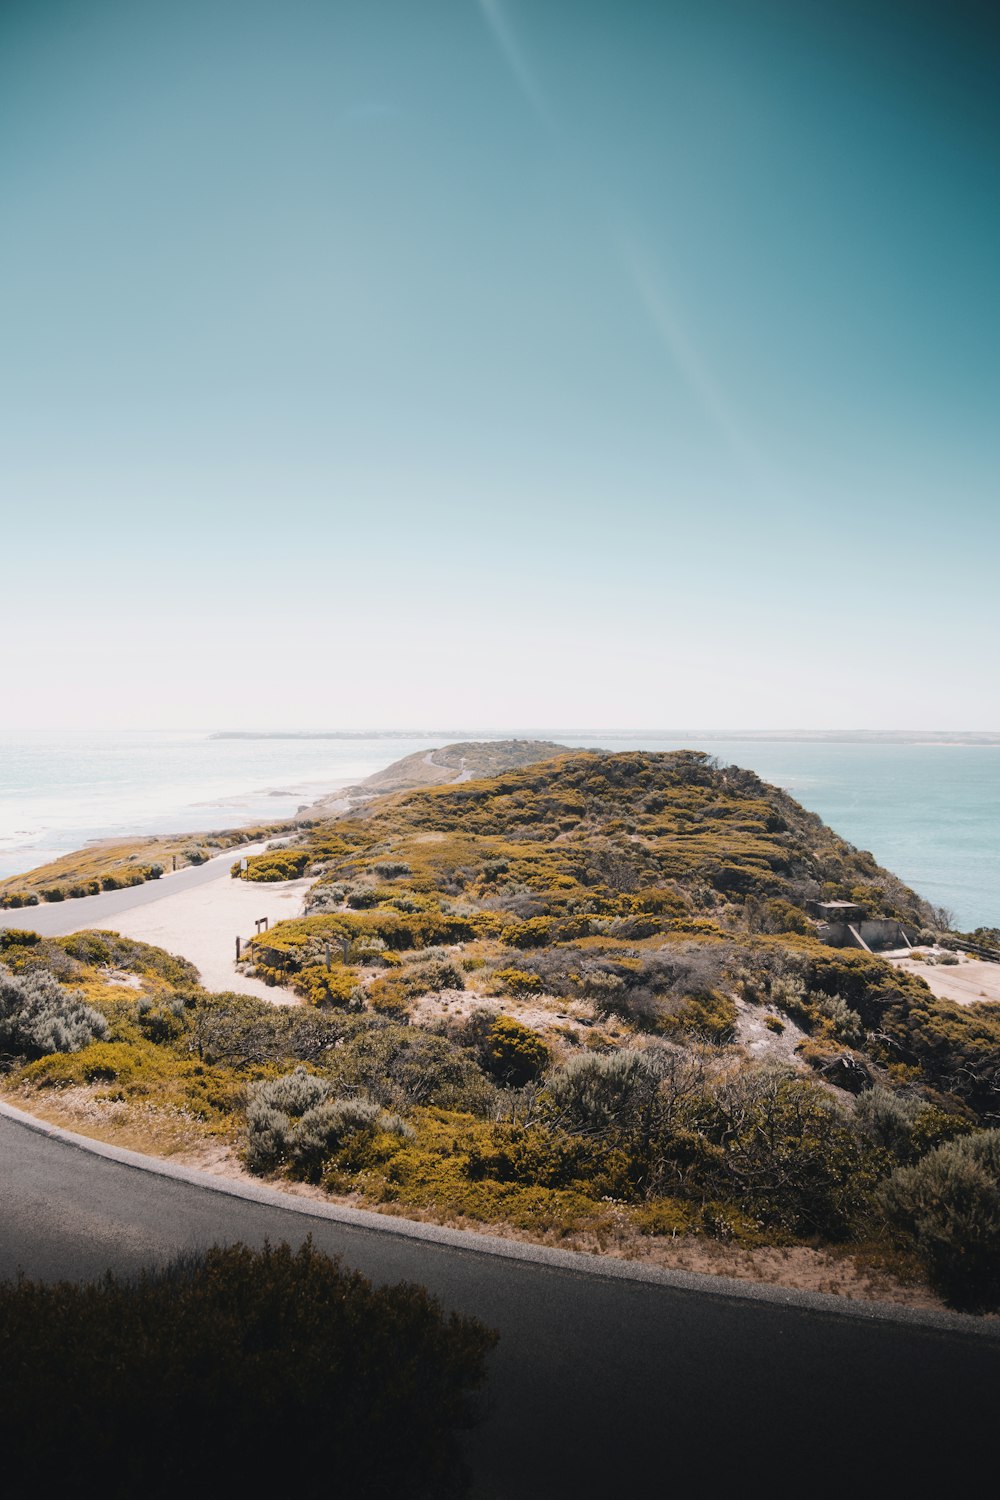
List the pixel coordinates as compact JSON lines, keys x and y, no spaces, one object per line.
{"x":471,"y":1241}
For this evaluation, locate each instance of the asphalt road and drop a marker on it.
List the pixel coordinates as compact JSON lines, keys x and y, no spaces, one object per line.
{"x":56,"y":918}
{"x":600,"y":1384}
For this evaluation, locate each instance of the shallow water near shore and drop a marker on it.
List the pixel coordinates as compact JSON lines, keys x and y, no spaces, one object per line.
{"x":59,"y":790}
{"x":929,"y":812}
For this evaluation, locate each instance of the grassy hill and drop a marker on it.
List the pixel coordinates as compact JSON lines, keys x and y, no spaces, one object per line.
{"x":582,"y":1000}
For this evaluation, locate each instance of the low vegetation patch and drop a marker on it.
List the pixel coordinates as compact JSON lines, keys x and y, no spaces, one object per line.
{"x":169,"y":1382}
{"x":111,"y":865}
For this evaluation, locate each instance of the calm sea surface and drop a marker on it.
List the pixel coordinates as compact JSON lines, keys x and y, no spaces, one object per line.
{"x":931,"y":813}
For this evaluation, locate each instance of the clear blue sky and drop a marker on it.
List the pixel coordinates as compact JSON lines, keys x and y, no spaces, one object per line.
{"x":499,"y":363}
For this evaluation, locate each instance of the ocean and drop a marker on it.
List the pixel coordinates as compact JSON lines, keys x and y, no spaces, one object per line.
{"x":929,"y":812}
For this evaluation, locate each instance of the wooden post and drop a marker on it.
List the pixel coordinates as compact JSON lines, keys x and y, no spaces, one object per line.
{"x":237,"y":950}
{"x":326,"y":953}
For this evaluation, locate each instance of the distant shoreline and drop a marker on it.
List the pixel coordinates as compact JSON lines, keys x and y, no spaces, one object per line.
{"x":956,"y":738}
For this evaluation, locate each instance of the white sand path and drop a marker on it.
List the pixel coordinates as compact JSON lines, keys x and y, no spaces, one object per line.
{"x":203,"y":924}
{"x":198,"y":913}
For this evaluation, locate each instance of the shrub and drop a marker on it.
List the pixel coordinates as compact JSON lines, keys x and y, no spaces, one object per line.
{"x":329,"y":1128}
{"x":160,"y":1023}
{"x":272,"y":865}
{"x":515,"y":1054}
{"x":540,"y":1157}
{"x":905,"y":1125}
{"x":710,"y":1015}
{"x":596,"y":1091}
{"x":782,"y":1148}
{"x":518,"y":981}
{"x":108,"y":950}
{"x":432,"y":973}
{"x":18,"y":937}
{"x":292,"y":1094}
{"x":322,"y":986}
{"x":845,"y":1024}
{"x":168,"y":1382}
{"x":324,"y":898}
{"x":839,"y":1065}
{"x":38,"y":1016}
{"x":403,"y":1066}
{"x":100,"y":1062}
{"x":293,"y":1120}
{"x":949,"y":1206}
{"x":888,"y":1118}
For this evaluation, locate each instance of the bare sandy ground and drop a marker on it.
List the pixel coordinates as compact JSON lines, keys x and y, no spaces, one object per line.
{"x":203,"y":924}
{"x":968,"y":981}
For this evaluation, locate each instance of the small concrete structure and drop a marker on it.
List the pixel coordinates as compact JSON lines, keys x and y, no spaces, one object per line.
{"x":838,"y":911}
{"x":872,"y":933}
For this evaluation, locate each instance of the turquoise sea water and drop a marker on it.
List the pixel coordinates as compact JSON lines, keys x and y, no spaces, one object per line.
{"x":929,"y":812}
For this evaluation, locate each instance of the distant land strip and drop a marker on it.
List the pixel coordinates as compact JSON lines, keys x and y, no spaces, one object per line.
{"x":792,"y":736}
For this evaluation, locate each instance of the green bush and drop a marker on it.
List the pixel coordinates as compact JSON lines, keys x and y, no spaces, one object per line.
{"x":949,"y":1206}
{"x":404,"y":1066}
{"x":108,"y":950}
{"x":273,"y":865}
{"x":334,"y":986}
{"x":515,"y":1054}
{"x":160,"y":1023}
{"x":170,"y":1383}
{"x":100,"y":1062}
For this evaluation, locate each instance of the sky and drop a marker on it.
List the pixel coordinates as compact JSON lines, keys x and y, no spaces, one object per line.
{"x":499,"y":364}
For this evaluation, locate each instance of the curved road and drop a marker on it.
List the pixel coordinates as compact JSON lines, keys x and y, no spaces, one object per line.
{"x":606,"y":1377}
{"x":56,"y":918}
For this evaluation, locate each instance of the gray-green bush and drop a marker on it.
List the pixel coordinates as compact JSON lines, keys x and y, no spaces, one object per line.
{"x":38,"y":1016}
{"x":948,"y":1204}
{"x":595,"y":1091}
{"x":293,"y":1120}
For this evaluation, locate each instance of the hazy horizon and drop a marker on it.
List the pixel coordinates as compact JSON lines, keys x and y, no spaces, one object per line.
{"x":372,"y":363}
{"x":513,"y":731}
